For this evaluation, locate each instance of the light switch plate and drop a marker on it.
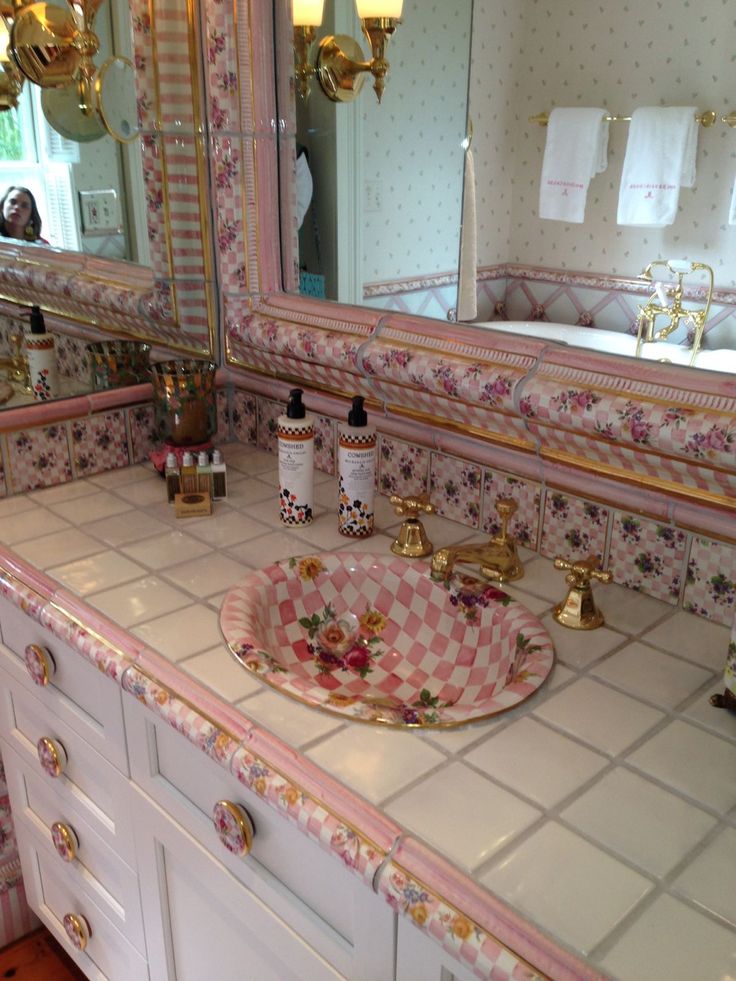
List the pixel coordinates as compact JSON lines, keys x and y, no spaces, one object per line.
{"x":100,"y":212}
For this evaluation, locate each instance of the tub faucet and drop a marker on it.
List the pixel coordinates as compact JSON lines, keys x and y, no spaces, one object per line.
{"x":497,"y":559}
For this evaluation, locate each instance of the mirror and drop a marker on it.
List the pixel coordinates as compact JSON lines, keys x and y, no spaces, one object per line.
{"x":169,"y":301}
{"x":527,"y":57}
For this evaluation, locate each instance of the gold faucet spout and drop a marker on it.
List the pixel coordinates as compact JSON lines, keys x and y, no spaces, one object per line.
{"x":496,"y":559}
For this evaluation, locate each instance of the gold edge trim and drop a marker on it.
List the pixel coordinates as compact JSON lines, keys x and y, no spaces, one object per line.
{"x":679,"y":491}
{"x":290,"y":380}
{"x":538,"y":976}
{"x":458,"y":427}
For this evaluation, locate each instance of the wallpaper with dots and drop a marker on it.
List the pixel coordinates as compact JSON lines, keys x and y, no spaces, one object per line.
{"x":532,"y":55}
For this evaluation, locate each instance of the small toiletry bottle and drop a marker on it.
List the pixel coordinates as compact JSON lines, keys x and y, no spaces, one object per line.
{"x":188,"y":474}
{"x":173,"y":477}
{"x":204,"y":473}
{"x":219,"y":476}
{"x":41,"y":353}
{"x":296,"y":462}
{"x":356,"y":466}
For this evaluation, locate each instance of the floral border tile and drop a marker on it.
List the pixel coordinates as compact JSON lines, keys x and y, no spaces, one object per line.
{"x":573,"y":528}
{"x":39,"y":458}
{"x":223,"y":415}
{"x":324,"y":444}
{"x":244,"y":415}
{"x":99,"y":443}
{"x":268,"y":413}
{"x":455,"y":489}
{"x":647,"y":556}
{"x":403,"y":469}
{"x":524,"y":526}
{"x":143,"y":435}
{"x":710,"y":590}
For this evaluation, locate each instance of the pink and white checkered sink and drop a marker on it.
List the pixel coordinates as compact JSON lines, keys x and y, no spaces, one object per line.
{"x":374,"y":638}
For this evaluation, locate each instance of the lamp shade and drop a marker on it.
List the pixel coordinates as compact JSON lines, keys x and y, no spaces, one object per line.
{"x":379,"y":8}
{"x":307,"y":13}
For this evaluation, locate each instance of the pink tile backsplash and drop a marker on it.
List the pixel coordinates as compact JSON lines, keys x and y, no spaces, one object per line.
{"x":403,"y":469}
{"x":244,"y":414}
{"x":142,"y":431}
{"x":99,"y":443}
{"x":524,"y":526}
{"x":39,"y":458}
{"x":268,"y":413}
{"x":647,"y":556}
{"x":573,"y":528}
{"x":324,"y":444}
{"x":455,"y":489}
{"x":710,"y":590}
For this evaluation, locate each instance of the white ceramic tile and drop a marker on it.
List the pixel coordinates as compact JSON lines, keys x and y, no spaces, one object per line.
{"x":219,"y":670}
{"x":558,"y":676}
{"x":695,"y":762}
{"x":649,"y":674}
{"x":225,"y":528}
{"x":14,"y":505}
{"x":628,"y":610}
{"x":719,"y":720}
{"x":375,"y":762}
{"x":296,"y":724}
{"x":693,"y":637}
{"x":456,"y":740}
{"x":627,"y":813}
{"x":604,"y":718}
{"x":536,"y":761}
{"x":274,"y":547}
{"x":27,"y":525}
{"x":709,"y":880}
{"x":68,"y":491}
{"x":579,"y":648}
{"x":58,"y":547}
{"x":671,"y":942}
{"x":141,"y":600}
{"x":446,"y":822}
{"x":112,"y":479}
{"x":141,"y":493}
{"x":208,"y":574}
{"x":567,"y":885}
{"x":96,"y":572}
{"x":242,"y":492}
{"x":251,"y":461}
{"x":119,"y":529}
{"x":542,"y":579}
{"x":184,"y":632}
{"x":535,"y":604}
{"x":164,"y":550}
{"x":91,"y":507}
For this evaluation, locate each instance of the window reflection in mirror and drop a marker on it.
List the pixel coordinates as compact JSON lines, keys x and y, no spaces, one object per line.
{"x":89,"y":193}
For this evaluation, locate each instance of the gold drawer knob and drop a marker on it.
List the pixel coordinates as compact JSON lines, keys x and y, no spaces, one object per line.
{"x":52,"y":756}
{"x":233,"y":826}
{"x":40,"y":664}
{"x":77,"y":930}
{"x":65,"y":841}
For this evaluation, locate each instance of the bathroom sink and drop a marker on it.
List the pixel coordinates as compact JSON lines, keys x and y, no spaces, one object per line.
{"x":374,"y":638}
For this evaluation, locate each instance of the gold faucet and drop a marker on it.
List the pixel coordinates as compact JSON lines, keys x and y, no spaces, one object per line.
{"x":17,"y":364}
{"x":578,"y":609}
{"x":412,"y":541}
{"x":674,"y":311}
{"x":497,"y":558}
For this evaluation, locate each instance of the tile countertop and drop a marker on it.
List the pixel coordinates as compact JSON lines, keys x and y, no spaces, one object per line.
{"x":603,"y":809}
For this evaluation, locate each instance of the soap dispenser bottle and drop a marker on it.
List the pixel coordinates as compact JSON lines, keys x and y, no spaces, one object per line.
{"x":295,"y":430}
{"x":41,"y":354}
{"x":356,"y":466}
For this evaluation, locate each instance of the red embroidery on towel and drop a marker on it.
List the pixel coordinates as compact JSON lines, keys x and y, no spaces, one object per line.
{"x":564,"y":184}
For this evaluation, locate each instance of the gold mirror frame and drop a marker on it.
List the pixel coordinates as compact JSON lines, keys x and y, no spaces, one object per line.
{"x":172,"y":302}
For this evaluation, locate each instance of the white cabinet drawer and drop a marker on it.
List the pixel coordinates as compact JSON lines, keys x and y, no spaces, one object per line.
{"x":108,"y":956}
{"x":92,"y":866}
{"x":77,"y":691}
{"x":87,"y":780}
{"x":335,"y":912}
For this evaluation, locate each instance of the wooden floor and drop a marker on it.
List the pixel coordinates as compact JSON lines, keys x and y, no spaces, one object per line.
{"x":37,"y":957}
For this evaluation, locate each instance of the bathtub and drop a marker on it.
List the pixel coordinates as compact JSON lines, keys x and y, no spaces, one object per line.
{"x":613,"y":342}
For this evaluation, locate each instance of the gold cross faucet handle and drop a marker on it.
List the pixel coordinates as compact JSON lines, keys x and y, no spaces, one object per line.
{"x":410,"y":507}
{"x":412,"y":541}
{"x":578,"y":610}
{"x":581,"y":571}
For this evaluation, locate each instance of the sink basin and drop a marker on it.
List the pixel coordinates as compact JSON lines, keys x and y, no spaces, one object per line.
{"x":375,"y":639}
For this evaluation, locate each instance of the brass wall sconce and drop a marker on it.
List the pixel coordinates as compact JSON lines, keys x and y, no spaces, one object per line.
{"x":340,"y":67}
{"x":54,"y":47}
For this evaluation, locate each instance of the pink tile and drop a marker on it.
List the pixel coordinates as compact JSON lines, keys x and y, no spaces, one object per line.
{"x":223,"y":415}
{"x":455,"y":488}
{"x":524,"y":526}
{"x":573,"y":528}
{"x":403,"y":468}
{"x":324,"y":444}
{"x":244,"y":414}
{"x":647,"y":556}
{"x":39,"y":458}
{"x":268,"y":413}
{"x":99,"y":443}
{"x":710,"y":590}
{"x":143,"y":434}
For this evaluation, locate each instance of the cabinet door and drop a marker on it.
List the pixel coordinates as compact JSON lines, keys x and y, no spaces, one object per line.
{"x":201,"y":922}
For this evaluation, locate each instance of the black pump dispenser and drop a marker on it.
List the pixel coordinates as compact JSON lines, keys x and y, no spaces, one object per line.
{"x":295,"y":408}
{"x":38,"y":325}
{"x":357,"y":416}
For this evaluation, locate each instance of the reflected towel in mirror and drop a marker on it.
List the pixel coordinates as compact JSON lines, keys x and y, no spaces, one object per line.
{"x":576,"y":150}
{"x":467,"y":293}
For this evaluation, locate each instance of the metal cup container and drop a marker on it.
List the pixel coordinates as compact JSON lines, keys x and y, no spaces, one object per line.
{"x":184,"y":402}
{"x":117,"y":363}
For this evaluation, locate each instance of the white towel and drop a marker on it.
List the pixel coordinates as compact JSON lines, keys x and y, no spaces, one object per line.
{"x":660,"y":159}
{"x":732,"y":211}
{"x":576,"y":150}
{"x":467,"y":292}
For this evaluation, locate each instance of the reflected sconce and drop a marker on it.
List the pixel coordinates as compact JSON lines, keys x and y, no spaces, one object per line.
{"x":340,"y":66}
{"x":306,"y":17}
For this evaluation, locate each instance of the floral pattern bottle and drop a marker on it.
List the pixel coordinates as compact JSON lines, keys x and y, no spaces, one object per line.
{"x":295,"y":432}
{"x":41,"y":354}
{"x":356,"y":463}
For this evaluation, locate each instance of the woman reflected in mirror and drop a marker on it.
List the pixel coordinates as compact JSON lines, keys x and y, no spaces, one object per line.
{"x":19,"y":217}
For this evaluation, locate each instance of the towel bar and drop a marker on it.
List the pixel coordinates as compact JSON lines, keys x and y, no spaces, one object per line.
{"x":706,"y":118}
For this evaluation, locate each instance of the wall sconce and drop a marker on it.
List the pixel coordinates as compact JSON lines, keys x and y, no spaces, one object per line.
{"x":340,"y":66}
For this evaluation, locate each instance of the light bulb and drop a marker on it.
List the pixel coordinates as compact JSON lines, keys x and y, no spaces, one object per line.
{"x":379,"y":8}
{"x":307,"y":13}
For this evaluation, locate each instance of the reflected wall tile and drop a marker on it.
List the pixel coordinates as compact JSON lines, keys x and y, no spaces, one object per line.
{"x":143,"y":437}
{"x":39,"y":458}
{"x":573,"y":528}
{"x":152,"y":159}
{"x":223,"y":416}
{"x":244,"y":414}
{"x":268,"y":413}
{"x":184,"y":158}
{"x":402,"y":468}
{"x":72,"y":358}
{"x":455,"y":489}
{"x":647,"y":556}
{"x":222,"y":58}
{"x":230,"y":231}
{"x":710,"y":590}
{"x":99,"y":443}
{"x":324,"y":444}
{"x":524,"y":526}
